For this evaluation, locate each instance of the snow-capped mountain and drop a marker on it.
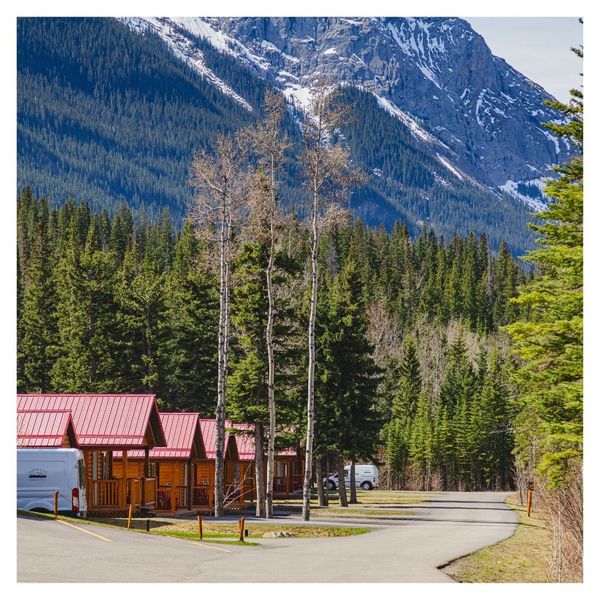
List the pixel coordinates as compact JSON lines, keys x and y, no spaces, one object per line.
{"x":112,"y":111}
{"x":480,"y":117}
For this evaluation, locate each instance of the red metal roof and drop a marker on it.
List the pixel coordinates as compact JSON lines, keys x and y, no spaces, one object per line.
{"x":245,"y":441}
{"x":104,"y":420}
{"x":183,"y":434}
{"x":209,"y":435}
{"x":44,"y":428}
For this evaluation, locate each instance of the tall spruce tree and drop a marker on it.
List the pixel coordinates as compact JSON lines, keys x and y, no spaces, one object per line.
{"x":189,"y":328}
{"x":550,"y":341}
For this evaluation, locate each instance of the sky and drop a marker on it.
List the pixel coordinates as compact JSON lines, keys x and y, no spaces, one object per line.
{"x":538,"y":47}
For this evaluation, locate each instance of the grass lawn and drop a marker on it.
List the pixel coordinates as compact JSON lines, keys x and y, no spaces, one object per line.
{"x":256,"y":530}
{"x":221,"y":531}
{"x":522,"y":558}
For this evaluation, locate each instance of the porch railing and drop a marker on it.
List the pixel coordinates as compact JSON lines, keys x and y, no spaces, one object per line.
{"x":171,"y":497}
{"x":202,"y":495}
{"x":103,"y":493}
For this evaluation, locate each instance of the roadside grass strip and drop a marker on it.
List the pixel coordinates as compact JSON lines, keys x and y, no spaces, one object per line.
{"x":96,"y":535}
{"x":191,"y":537}
{"x":522,"y":558}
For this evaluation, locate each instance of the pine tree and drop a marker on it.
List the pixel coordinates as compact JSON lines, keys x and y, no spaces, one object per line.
{"x":37,"y":321}
{"x":86,"y":311}
{"x":421,"y":443}
{"x":409,"y":382}
{"x":347,"y":377}
{"x":189,"y":328}
{"x":550,"y":341}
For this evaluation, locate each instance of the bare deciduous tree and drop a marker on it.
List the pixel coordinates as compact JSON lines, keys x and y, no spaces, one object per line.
{"x":269,"y":145}
{"x":329,"y":177}
{"x":219,"y":183}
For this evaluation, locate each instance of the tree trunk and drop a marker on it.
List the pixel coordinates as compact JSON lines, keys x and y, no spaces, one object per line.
{"x":223,"y":359}
{"x":326,"y":494}
{"x":341,"y":481}
{"x":259,"y":462}
{"x":310,"y":403}
{"x":353,"y":498}
{"x":271,"y":364}
{"x":319,"y":476}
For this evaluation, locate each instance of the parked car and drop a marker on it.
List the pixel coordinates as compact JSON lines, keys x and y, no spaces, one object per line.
{"x":367,"y":477}
{"x":42,"y":471}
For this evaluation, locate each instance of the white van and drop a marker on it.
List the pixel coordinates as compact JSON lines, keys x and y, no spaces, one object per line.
{"x":42,"y":471}
{"x":367,"y":477}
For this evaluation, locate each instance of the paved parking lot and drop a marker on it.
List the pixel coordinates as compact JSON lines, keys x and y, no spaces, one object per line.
{"x":402,"y":549}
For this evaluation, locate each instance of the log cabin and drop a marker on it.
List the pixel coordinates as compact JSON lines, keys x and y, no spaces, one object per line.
{"x":104,"y":424}
{"x":173,"y":466}
{"x":236,"y":480}
{"x":289,"y":467}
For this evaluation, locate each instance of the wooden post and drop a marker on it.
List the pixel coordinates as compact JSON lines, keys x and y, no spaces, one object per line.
{"x":529,"y":501}
{"x":200,"y":526}
{"x":147,"y":524}
{"x":123,"y":496}
{"x":130,"y":516}
{"x":189,"y":483}
{"x":145,"y":475}
{"x":173,"y":509}
{"x":55,"y":504}
{"x":241,"y":529}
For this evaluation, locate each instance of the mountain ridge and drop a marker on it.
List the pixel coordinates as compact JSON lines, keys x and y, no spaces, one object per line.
{"x":420,"y":172}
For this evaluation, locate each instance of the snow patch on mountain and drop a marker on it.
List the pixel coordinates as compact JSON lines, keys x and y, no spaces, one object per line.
{"x":185,"y":50}
{"x":512,"y":188}
{"x":408,"y":120}
{"x":450,"y":168}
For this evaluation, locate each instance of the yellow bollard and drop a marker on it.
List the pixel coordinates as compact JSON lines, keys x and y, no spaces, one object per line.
{"x":55,"y":504}
{"x":200,"y":526}
{"x":130,"y":516}
{"x":241,"y":529}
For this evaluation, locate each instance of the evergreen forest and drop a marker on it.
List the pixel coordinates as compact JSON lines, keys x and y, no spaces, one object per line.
{"x":410,"y":356}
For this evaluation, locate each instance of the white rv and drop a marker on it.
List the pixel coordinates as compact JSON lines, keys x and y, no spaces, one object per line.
{"x":367,"y":477}
{"x":41,"y":472}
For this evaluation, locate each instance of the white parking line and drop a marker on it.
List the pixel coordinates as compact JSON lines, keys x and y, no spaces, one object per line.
{"x":96,"y":535}
{"x":209,"y":546}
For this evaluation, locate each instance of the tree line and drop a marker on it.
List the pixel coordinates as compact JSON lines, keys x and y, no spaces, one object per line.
{"x":108,"y":304}
{"x":111,"y":304}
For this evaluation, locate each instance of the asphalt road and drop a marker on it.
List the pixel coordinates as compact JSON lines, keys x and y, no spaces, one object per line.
{"x":400,"y":549}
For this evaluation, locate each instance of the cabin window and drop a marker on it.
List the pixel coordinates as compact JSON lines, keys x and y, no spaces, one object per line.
{"x":153,"y":470}
{"x":281,"y":469}
{"x":100,"y":465}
